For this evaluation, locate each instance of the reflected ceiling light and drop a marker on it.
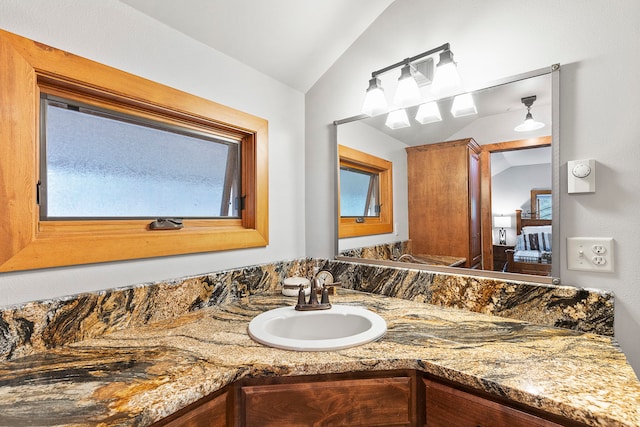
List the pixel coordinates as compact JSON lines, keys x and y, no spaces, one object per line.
{"x":408,"y":90}
{"x":397,"y":119}
{"x":428,"y":113}
{"x":446,"y":80}
{"x":529,"y":123}
{"x":463,"y":105}
{"x":374,"y":101}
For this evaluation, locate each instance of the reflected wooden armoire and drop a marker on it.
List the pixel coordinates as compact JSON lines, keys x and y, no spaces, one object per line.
{"x":444,"y":200}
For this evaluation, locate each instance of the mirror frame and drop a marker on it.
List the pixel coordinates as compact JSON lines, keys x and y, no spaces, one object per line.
{"x":554,"y":71}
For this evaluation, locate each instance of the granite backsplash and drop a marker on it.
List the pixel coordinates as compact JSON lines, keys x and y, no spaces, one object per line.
{"x":40,"y":325}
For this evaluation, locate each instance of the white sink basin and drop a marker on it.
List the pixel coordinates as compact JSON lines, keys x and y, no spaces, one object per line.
{"x":341,"y":326}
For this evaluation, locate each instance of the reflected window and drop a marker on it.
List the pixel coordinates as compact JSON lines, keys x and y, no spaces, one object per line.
{"x":359,"y":193}
{"x":365,"y":194}
{"x":541,"y":204}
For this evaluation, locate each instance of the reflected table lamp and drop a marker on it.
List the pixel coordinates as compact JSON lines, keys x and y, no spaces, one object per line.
{"x":502,"y":222}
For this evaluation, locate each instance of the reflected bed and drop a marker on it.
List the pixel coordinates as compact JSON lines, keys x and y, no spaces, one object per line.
{"x":532,"y":252}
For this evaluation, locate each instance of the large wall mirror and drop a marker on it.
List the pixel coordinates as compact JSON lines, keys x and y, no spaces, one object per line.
{"x":470,"y":191}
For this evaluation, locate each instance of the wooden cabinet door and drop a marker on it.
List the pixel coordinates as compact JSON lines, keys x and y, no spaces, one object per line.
{"x":447,"y":406}
{"x":360,"y":402}
{"x":212,"y":413}
{"x":438,"y":199}
{"x":444,"y":200}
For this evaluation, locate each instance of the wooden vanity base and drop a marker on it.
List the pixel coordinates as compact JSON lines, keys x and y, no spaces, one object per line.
{"x":381,"y":398}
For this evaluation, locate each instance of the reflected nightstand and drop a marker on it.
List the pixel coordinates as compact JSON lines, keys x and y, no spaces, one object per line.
{"x":500,"y":257}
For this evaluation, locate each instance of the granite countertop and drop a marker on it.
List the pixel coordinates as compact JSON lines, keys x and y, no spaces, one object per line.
{"x":444,"y":260}
{"x":139,"y":375}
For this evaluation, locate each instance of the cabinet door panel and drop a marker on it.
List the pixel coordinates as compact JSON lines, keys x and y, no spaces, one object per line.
{"x":447,"y":407}
{"x":209,"y":414}
{"x":366,"y":402}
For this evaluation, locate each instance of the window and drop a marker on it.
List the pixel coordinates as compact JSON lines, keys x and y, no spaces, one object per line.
{"x":91,"y":156}
{"x":366,"y":195}
{"x":96,"y":164}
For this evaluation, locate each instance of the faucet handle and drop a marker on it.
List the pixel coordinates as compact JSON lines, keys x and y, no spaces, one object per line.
{"x":325,"y":295}
{"x":301,"y":295}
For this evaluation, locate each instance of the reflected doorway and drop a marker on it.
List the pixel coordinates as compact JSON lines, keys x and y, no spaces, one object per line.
{"x":507,"y":180}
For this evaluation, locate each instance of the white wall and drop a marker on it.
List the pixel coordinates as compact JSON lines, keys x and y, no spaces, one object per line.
{"x":112,"y":33}
{"x":595,"y":41}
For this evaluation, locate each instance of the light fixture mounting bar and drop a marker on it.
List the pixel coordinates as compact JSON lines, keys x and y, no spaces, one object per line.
{"x":528,"y":101}
{"x":410,"y":60}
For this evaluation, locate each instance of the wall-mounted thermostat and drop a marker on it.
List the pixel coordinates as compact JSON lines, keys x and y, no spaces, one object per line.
{"x":582,"y":176}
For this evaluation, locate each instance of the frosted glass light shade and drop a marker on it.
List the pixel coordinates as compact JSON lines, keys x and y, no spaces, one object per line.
{"x":397,"y":119}
{"x":502,"y":221}
{"x":446,"y":80}
{"x":374,"y":101}
{"x":463,"y":105}
{"x":529,"y":124}
{"x":407,"y":92}
{"x":428,"y":113}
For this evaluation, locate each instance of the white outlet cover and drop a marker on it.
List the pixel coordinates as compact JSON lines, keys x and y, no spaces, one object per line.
{"x":590,"y":254}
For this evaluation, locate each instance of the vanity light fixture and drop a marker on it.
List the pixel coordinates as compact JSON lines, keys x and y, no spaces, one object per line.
{"x":428,"y":113}
{"x":374,"y":101}
{"x":408,"y":91}
{"x":529,"y":123}
{"x":446,"y":80}
{"x":397,"y":119}
{"x":463,"y":105}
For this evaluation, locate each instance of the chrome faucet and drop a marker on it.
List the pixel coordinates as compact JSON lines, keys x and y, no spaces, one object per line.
{"x":313,"y":303}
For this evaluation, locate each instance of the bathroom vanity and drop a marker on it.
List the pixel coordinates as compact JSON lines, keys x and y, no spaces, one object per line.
{"x":203,"y":365}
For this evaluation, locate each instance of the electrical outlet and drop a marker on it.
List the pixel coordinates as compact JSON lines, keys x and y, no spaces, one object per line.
{"x":590,"y":253}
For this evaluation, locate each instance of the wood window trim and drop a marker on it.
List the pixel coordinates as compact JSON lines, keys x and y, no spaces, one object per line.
{"x":347,"y":226}
{"x":26,"y":68}
{"x":533,"y":207}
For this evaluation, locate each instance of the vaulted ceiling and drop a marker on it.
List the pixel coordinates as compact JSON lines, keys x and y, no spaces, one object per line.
{"x":293,"y":41}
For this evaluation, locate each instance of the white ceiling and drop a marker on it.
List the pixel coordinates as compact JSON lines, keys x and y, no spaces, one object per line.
{"x":293,"y":41}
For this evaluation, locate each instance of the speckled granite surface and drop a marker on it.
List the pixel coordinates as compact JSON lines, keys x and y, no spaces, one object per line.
{"x":141,"y":374}
{"x":44,"y":325}
{"x":443,"y":260}
{"x":586,"y":310}
{"x":391,"y":251}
